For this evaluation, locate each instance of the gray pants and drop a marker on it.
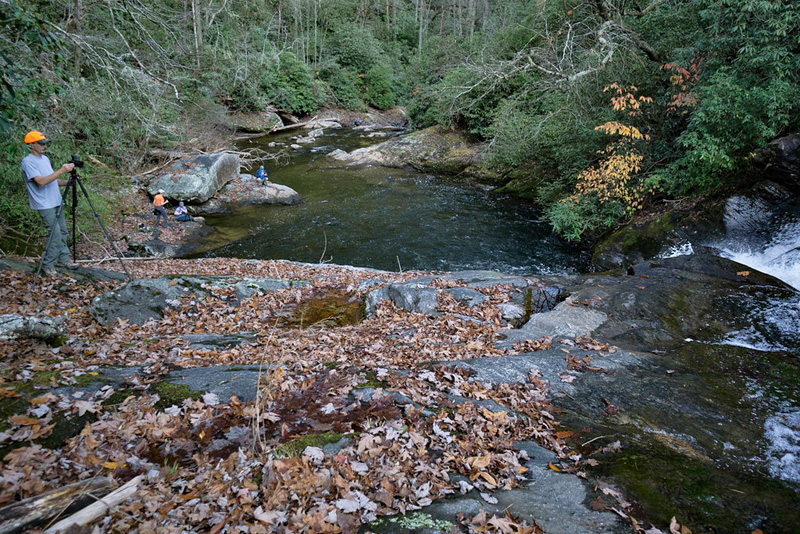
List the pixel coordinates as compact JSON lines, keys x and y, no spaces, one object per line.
{"x":56,"y":249}
{"x":159,"y":212}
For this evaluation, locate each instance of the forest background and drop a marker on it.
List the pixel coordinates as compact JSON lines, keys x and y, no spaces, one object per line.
{"x":596,"y":109}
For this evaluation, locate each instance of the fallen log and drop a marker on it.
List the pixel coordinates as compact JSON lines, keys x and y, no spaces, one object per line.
{"x":15,"y":326}
{"x":291,"y":126}
{"x":99,"y":508}
{"x":21,"y":515}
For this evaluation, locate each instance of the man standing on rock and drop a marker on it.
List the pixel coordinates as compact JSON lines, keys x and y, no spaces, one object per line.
{"x":44,"y":196}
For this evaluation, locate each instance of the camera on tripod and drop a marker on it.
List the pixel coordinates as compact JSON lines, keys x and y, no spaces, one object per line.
{"x":76,"y":160}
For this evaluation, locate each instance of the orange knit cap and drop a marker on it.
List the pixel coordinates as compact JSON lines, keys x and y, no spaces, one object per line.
{"x":33,"y":136}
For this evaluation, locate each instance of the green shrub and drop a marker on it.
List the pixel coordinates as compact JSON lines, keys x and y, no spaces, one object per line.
{"x":294,"y":86}
{"x":345,"y":87}
{"x":576,"y":217}
{"x":378,"y":87}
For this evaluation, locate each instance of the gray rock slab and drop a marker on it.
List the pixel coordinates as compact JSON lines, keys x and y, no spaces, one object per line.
{"x":488,"y":278}
{"x":147,"y":298}
{"x":565,"y":320}
{"x":414,"y":296}
{"x":557,"y":502}
{"x":468,"y":296}
{"x":246,"y":288}
{"x":489,"y":404}
{"x":136,"y":301}
{"x":552,"y":364}
{"x":224,"y":380}
{"x":107,"y":376}
{"x":15,"y":326}
{"x":215,"y":341}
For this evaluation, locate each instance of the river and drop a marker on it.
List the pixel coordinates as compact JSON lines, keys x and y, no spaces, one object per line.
{"x":389,"y":219}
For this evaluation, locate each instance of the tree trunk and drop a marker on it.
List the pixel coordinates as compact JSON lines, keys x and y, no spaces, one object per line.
{"x":76,"y":16}
{"x":99,"y":508}
{"x":420,"y":7}
{"x":197,"y":27}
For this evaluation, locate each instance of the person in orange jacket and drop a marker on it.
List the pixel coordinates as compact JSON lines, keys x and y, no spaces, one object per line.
{"x":158,"y":207}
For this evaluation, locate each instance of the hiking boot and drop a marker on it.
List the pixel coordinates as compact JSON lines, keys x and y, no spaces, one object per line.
{"x":67,"y":264}
{"x":49,"y":272}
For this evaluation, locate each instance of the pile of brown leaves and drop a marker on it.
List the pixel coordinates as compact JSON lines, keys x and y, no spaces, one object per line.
{"x":213,"y":463}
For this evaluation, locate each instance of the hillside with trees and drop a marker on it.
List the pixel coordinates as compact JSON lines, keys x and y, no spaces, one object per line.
{"x":597,"y":109}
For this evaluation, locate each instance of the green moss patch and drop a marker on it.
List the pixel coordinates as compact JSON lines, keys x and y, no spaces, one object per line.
{"x":414,"y":521}
{"x":335,"y":308}
{"x":372,"y":381}
{"x":296,"y":447}
{"x":172,"y":394}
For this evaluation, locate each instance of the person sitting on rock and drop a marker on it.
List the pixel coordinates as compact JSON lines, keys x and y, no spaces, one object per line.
{"x":262,"y":176}
{"x":182,"y":214}
{"x":158,"y":207}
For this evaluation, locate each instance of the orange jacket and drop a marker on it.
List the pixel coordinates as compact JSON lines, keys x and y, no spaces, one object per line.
{"x":158,"y":200}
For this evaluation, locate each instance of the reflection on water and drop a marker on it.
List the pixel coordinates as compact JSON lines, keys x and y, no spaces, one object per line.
{"x":389,"y":219}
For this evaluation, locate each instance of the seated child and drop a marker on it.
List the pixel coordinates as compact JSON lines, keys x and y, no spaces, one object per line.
{"x":262,"y":176}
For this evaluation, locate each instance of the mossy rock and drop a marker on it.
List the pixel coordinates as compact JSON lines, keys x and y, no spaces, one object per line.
{"x":414,"y":522}
{"x":646,"y":238}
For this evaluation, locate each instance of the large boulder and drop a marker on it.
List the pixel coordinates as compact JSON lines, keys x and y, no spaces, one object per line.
{"x":260,"y":122}
{"x":247,"y":190}
{"x":198,"y":178}
{"x":430,"y":150}
{"x":780,"y":161}
{"x":322,"y":124}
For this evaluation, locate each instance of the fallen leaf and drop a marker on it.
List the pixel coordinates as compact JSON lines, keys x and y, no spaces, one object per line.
{"x":24,"y":421}
{"x":44,"y":399}
{"x":488,"y":498}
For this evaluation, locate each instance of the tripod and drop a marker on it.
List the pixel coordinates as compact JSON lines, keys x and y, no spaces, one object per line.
{"x":72,"y":189}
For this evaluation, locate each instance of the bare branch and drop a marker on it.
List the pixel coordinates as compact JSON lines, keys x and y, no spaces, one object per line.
{"x":133,"y":55}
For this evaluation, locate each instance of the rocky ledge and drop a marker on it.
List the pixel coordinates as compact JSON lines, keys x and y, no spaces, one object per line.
{"x":641,"y":365}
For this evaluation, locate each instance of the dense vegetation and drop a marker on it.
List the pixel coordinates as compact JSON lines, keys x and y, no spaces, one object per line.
{"x":594,"y":108}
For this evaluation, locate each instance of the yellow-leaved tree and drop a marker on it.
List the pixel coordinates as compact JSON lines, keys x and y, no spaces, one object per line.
{"x":616,"y":177}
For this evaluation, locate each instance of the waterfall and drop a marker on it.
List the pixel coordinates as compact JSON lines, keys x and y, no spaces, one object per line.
{"x":780,"y":257}
{"x":765,"y":238}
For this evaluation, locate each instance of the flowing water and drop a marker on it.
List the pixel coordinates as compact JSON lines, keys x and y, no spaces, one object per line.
{"x":766,"y":239}
{"x":389,"y":219}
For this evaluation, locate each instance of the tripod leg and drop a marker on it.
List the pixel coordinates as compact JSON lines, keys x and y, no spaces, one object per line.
{"x":103,"y":226}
